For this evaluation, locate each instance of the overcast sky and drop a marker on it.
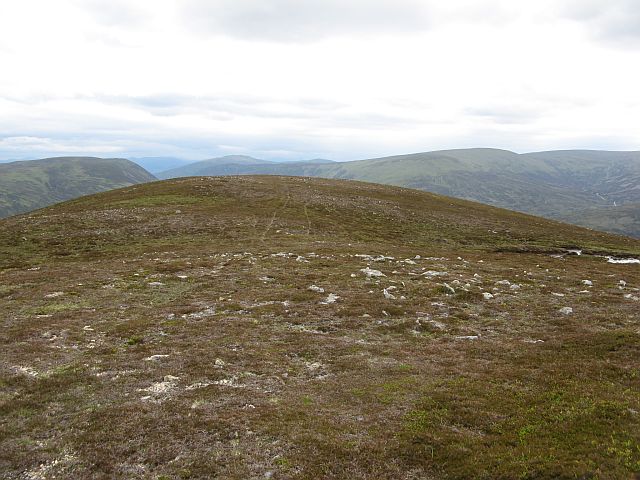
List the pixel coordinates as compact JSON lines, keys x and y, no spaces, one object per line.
{"x":297,"y":79}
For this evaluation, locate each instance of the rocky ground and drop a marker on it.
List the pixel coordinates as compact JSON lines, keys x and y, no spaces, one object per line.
{"x":266,"y":327}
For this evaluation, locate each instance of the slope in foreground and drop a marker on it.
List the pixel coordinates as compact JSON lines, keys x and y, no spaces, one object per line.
{"x":253,"y":327}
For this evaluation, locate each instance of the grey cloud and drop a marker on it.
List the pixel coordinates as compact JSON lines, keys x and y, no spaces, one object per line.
{"x":506,"y":115}
{"x":304,"y":20}
{"x":611,"y":21}
{"x":113,"y":12}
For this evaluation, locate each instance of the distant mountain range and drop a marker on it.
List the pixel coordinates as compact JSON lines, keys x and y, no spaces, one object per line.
{"x":242,"y":165}
{"x":29,"y":185}
{"x":597,"y":189}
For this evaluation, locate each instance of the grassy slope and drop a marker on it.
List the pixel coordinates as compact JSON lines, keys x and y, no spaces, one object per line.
{"x":261,"y":378}
{"x":29,"y":185}
{"x":552,"y":184}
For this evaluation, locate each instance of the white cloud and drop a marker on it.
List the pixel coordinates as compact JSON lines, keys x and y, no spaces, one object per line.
{"x":304,"y":20}
{"x":307,"y":78}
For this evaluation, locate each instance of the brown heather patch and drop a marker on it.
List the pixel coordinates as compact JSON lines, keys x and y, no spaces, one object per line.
{"x":186,"y":343}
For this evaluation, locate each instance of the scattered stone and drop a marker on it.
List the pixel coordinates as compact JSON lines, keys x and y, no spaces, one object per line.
{"x":156,"y":284}
{"x":315,"y":288}
{"x":622,"y":260}
{"x":331,"y":298}
{"x":387,"y":295}
{"x":54,"y":295}
{"x":467,"y":337}
{"x":566,"y":310}
{"x":208,"y":312}
{"x":219,"y":363}
{"x":434,"y":273}
{"x":227,"y":382}
{"x":588,"y":283}
{"x":28,"y":371}
{"x":155,"y":358}
{"x":369,"y":272}
{"x":87,"y":328}
{"x":487,"y":295}
{"x":195,"y":386}
{"x":168,"y":383}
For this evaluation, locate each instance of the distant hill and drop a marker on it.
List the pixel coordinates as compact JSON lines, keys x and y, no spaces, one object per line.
{"x":241,"y":165}
{"x":557,"y":184}
{"x":28,"y":185}
{"x":228,"y":165}
{"x":159,"y":164}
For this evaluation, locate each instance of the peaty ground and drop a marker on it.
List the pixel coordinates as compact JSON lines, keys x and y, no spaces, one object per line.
{"x":290,"y":328}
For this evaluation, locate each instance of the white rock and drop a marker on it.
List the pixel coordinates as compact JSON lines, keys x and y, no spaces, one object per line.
{"x":54,"y":295}
{"x":433,"y":273}
{"x":168,"y":383}
{"x":156,"y":284}
{"x":369,"y":272}
{"x":468,"y":337}
{"x":623,"y":260}
{"x":566,"y":310}
{"x":388,"y":295}
{"x":588,"y":283}
{"x":155,"y":358}
{"x":487,"y":295}
{"x":315,"y":288}
{"x":331,"y":298}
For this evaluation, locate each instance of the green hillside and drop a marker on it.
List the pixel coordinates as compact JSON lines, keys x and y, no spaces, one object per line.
{"x":28,"y":185}
{"x":252,"y":327}
{"x":557,"y":185}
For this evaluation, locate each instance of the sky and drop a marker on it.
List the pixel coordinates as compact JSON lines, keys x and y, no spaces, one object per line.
{"x":301,"y":79}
